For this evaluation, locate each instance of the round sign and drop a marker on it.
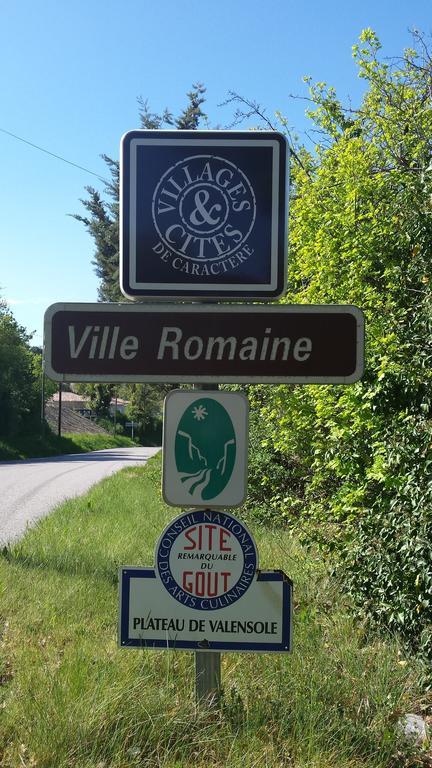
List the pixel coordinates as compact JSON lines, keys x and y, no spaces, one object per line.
{"x":206,"y":559}
{"x":204,"y":208}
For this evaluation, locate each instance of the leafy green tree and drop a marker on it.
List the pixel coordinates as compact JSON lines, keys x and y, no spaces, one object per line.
{"x":20,"y":376}
{"x":100,"y":399}
{"x":144,"y":408}
{"x":361,"y":233}
{"x":351,"y":466}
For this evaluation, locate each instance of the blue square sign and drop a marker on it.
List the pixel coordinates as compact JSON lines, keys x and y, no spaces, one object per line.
{"x":203,"y":214}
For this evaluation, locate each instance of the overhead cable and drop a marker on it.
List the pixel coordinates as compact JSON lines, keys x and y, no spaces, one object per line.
{"x":58,"y":157}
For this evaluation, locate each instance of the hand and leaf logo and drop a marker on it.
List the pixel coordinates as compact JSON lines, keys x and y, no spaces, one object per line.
{"x":205,"y":449}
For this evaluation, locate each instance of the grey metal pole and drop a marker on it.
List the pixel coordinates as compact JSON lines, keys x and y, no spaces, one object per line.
{"x":207,"y":677}
{"x":43,"y":399}
{"x":59,"y":409}
{"x":207,"y":663}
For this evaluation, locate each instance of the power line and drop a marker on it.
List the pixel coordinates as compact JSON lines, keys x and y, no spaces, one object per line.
{"x":58,"y":157}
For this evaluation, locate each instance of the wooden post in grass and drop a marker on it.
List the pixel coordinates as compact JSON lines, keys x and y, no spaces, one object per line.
{"x":207,"y":663}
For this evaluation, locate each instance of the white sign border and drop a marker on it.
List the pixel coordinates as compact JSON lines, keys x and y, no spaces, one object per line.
{"x":204,"y":308}
{"x":227,"y":291}
{"x":235,"y":492}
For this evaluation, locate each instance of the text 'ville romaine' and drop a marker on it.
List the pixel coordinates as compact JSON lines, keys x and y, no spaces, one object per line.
{"x":97,"y":342}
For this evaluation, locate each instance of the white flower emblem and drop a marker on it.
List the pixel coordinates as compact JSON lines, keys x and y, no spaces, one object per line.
{"x":199,"y":412}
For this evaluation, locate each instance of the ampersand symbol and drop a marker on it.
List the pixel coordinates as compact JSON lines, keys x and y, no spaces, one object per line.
{"x":200,"y":215}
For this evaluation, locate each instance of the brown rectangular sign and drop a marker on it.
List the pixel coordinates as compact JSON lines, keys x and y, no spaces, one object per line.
{"x":299,"y":344}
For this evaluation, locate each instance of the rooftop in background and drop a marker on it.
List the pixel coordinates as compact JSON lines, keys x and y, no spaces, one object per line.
{"x":73,"y":397}
{"x":71,"y":420}
{"x":69,"y":397}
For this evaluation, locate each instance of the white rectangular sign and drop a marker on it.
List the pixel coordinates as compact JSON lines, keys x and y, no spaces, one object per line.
{"x":205,"y":448}
{"x":151,"y":618}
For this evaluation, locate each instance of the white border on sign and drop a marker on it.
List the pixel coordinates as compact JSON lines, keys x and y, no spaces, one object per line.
{"x":204,"y":308}
{"x":198,"y":288}
{"x":237,"y":406}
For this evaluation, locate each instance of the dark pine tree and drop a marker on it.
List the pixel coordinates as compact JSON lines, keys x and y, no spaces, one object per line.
{"x":102,"y":218}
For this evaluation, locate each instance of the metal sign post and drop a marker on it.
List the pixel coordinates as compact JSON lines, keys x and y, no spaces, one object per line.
{"x":59,"y":409}
{"x":207,"y":677}
{"x":207,"y":663}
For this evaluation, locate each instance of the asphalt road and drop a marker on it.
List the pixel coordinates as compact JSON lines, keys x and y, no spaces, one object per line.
{"x":30,"y":489}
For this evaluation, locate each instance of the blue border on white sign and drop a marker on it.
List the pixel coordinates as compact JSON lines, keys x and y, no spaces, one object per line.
{"x":128,"y":573}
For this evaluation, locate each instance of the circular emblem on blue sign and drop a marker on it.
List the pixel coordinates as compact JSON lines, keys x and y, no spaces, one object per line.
{"x":206,"y":560}
{"x":204,"y":208}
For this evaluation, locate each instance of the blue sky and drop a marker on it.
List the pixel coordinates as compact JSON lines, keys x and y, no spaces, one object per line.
{"x":70,"y":75}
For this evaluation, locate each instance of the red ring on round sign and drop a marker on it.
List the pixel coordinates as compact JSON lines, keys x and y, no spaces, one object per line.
{"x":223,"y":549}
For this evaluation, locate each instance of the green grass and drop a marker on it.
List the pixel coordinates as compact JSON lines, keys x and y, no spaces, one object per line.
{"x":37,"y":445}
{"x":71,"y":698}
